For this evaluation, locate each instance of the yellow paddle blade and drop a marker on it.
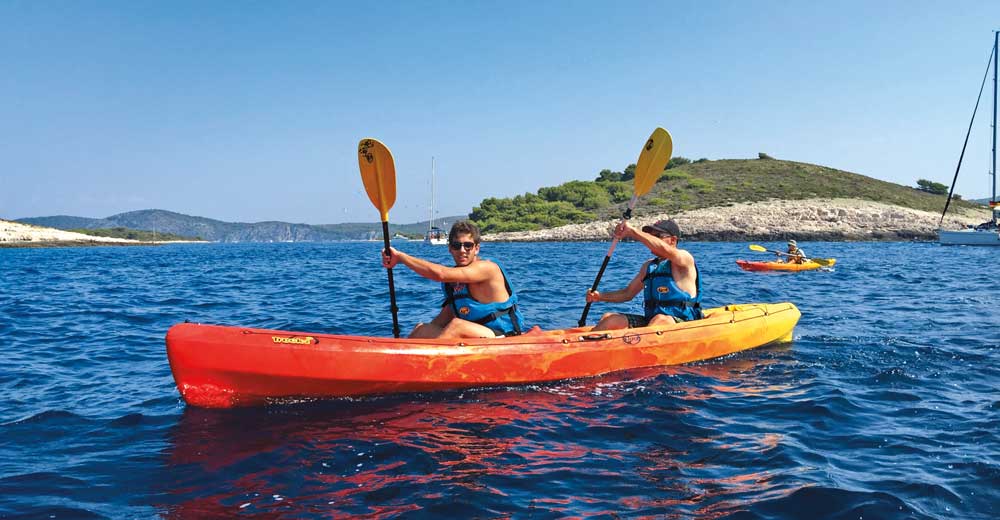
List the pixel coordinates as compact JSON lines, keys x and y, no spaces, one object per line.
{"x":825,"y":262}
{"x":652,"y":160}
{"x":755,"y":247}
{"x":378,"y":173}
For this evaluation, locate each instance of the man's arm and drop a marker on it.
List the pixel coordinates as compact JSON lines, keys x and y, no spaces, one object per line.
{"x":659,"y":247}
{"x":444,"y":316}
{"x":621,"y":295}
{"x":478,"y":271}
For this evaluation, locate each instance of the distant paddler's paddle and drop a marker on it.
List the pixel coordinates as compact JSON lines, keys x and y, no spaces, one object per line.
{"x":379,"y":176}
{"x":652,"y":160}
{"x":825,"y":262}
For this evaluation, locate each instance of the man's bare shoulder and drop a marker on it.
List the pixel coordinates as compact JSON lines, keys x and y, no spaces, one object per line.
{"x":487,"y":269}
{"x":484,"y":263}
{"x":684,"y":257}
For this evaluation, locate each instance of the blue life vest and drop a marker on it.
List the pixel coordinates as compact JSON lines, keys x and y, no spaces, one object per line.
{"x":503,"y":318}
{"x":662,"y":296}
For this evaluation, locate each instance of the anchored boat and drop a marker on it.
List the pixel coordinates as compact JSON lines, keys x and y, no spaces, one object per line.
{"x":435,"y":235}
{"x":987,"y":233}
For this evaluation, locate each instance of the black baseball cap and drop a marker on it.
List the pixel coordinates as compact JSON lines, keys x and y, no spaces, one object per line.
{"x":666,"y":227}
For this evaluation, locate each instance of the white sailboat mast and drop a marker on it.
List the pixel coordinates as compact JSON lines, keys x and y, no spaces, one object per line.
{"x":430,"y":224}
{"x":996,"y":43}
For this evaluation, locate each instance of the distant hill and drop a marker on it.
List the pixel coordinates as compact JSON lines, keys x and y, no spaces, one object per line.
{"x":687,"y":185}
{"x":713,"y":183}
{"x":161,"y":221}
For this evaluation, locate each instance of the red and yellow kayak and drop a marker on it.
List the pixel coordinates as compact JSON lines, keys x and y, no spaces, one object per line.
{"x":747,"y":265}
{"x":222,"y":367}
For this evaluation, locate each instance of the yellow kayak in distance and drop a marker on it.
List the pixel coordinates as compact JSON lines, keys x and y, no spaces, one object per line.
{"x":748,"y":265}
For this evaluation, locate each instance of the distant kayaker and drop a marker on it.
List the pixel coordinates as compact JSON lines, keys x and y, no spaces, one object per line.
{"x":479,"y":301}
{"x":795,"y":255}
{"x":669,"y":282}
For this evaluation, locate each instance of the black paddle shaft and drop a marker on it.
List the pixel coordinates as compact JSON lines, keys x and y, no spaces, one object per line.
{"x":392,"y":286}
{"x":597,"y":281}
{"x":604,"y":265}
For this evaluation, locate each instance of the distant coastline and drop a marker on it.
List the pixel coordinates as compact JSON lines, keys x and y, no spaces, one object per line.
{"x":809,"y":219}
{"x":16,"y":234}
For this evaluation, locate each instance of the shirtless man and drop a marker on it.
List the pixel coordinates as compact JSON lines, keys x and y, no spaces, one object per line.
{"x":670,"y":283}
{"x":479,"y":301}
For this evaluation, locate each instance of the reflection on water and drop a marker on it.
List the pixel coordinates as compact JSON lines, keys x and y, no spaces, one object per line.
{"x":490,"y":451}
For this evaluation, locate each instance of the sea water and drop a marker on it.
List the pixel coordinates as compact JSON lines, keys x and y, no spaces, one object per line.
{"x":885,"y":405}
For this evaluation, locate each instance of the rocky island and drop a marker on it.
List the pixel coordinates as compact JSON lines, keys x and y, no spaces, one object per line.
{"x":809,"y":219}
{"x":734,"y":200}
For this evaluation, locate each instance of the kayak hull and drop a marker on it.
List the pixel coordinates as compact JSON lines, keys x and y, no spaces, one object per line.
{"x":223,"y":367}
{"x":747,"y":265}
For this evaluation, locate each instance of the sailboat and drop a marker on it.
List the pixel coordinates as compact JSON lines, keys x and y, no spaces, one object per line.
{"x":435,"y":235}
{"x":987,"y":233}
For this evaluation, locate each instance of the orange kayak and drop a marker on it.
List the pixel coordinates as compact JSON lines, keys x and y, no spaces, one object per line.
{"x":747,"y":265}
{"x":222,"y":367}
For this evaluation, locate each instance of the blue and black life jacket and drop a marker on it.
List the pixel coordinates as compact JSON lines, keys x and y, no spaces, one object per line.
{"x":503,"y":318}
{"x":662,"y":296}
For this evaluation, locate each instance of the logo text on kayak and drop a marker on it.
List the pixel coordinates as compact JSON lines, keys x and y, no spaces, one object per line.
{"x":294,"y":340}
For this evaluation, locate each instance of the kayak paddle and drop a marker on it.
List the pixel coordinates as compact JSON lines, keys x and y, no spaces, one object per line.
{"x":825,"y":262}
{"x":378,"y":173}
{"x":652,"y":160}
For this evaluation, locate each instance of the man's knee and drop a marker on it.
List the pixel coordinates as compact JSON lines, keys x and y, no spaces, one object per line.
{"x":612,"y":320}
{"x":614,"y":317}
{"x":459,"y":328}
{"x":425,"y":331}
{"x":662,"y":319}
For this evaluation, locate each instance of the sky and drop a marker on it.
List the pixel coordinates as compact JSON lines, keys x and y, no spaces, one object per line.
{"x":251,"y":111}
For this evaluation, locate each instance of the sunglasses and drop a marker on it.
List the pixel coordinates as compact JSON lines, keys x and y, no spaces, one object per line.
{"x":461,"y":245}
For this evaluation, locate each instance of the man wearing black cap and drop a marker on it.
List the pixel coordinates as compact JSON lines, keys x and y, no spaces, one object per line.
{"x":669,"y":282}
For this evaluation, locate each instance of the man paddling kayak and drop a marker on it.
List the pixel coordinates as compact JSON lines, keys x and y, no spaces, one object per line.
{"x":794,"y":255}
{"x":669,"y":282}
{"x":479,"y":301}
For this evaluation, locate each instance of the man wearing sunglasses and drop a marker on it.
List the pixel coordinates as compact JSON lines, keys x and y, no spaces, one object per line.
{"x":479,"y":301}
{"x":669,"y":282}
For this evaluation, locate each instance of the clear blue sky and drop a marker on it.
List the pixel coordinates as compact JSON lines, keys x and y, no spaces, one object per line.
{"x":251,"y":111}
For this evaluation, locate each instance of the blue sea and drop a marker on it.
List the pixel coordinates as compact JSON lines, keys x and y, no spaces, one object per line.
{"x":886,"y":404}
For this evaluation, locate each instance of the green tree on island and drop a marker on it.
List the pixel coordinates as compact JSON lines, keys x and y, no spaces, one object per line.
{"x":932,"y":187}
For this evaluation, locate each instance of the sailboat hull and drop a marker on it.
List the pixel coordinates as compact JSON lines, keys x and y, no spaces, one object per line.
{"x":969,"y":238}
{"x":436,"y":237}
